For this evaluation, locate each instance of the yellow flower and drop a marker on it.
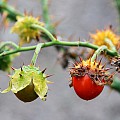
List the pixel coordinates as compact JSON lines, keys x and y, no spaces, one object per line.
{"x":23,"y":28}
{"x":100,"y":36}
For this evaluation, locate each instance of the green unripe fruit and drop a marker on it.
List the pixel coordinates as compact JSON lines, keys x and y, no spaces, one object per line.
{"x":28,"y":83}
{"x":27,"y":94}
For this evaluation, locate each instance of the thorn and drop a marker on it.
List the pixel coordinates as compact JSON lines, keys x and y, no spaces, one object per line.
{"x":20,"y":75}
{"x":38,"y":17}
{"x":95,"y":60}
{"x":71,"y":67}
{"x":13,"y":68}
{"x":25,"y":12}
{"x":70,"y":79}
{"x":44,"y":70}
{"x":55,"y":24}
{"x":106,"y":69}
{"x":72,"y":63}
{"x":70,"y":38}
{"x":49,"y":82}
{"x":104,"y":65}
{"x":71,"y":85}
{"x":111,"y":75}
{"x":21,"y":69}
{"x":48,"y":76}
{"x":31,"y":13}
{"x":9,"y":76}
{"x":76,"y":63}
{"x":80,"y":59}
{"x":99,"y":62}
{"x":37,"y":38}
{"x":90,"y":62}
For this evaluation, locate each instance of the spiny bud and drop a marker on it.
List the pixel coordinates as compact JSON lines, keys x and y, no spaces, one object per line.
{"x":23,"y":28}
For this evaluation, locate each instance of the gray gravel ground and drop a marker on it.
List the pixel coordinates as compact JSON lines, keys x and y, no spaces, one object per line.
{"x":80,"y":17}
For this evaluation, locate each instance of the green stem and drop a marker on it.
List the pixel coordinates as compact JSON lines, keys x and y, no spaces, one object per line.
{"x":9,"y":43}
{"x":35,"y":56}
{"x":12,"y":13}
{"x":112,"y":46}
{"x":34,"y":26}
{"x":45,"y":12}
{"x":98,"y":51}
{"x":58,"y":43}
{"x":46,"y":17}
{"x":118,"y":8}
{"x":116,"y":84}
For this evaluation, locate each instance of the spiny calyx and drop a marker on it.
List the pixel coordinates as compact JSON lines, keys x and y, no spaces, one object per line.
{"x":95,"y":70}
{"x":28,"y":83}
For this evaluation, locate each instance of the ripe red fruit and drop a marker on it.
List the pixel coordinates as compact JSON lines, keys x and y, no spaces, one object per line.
{"x":86,"y":88}
{"x":89,"y":78}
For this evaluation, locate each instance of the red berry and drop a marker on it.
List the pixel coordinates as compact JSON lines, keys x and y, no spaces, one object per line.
{"x":86,"y":88}
{"x":89,"y":78}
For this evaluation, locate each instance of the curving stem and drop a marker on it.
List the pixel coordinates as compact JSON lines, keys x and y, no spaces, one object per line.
{"x":112,"y":46}
{"x":35,"y":56}
{"x":8,"y":43}
{"x":98,"y":51}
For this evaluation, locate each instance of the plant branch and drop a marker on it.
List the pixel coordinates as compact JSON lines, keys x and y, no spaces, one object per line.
{"x":116,"y":84}
{"x":11,"y":12}
{"x":45,"y":12}
{"x":9,"y":43}
{"x":98,"y":51}
{"x":35,"y":56}
{"x":58,"y":43}
{"x":34,"y":26}
{"x":109,"y":42}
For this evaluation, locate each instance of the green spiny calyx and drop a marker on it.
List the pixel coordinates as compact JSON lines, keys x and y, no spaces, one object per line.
{"x":28,"y":83}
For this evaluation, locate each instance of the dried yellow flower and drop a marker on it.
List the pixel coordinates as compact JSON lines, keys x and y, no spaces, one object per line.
{"x":100,"y":36}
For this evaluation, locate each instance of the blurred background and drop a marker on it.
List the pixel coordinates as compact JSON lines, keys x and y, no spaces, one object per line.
{"x":80,"y":17}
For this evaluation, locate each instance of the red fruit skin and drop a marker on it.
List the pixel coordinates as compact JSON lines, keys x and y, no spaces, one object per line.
{"x":86,"y":88}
